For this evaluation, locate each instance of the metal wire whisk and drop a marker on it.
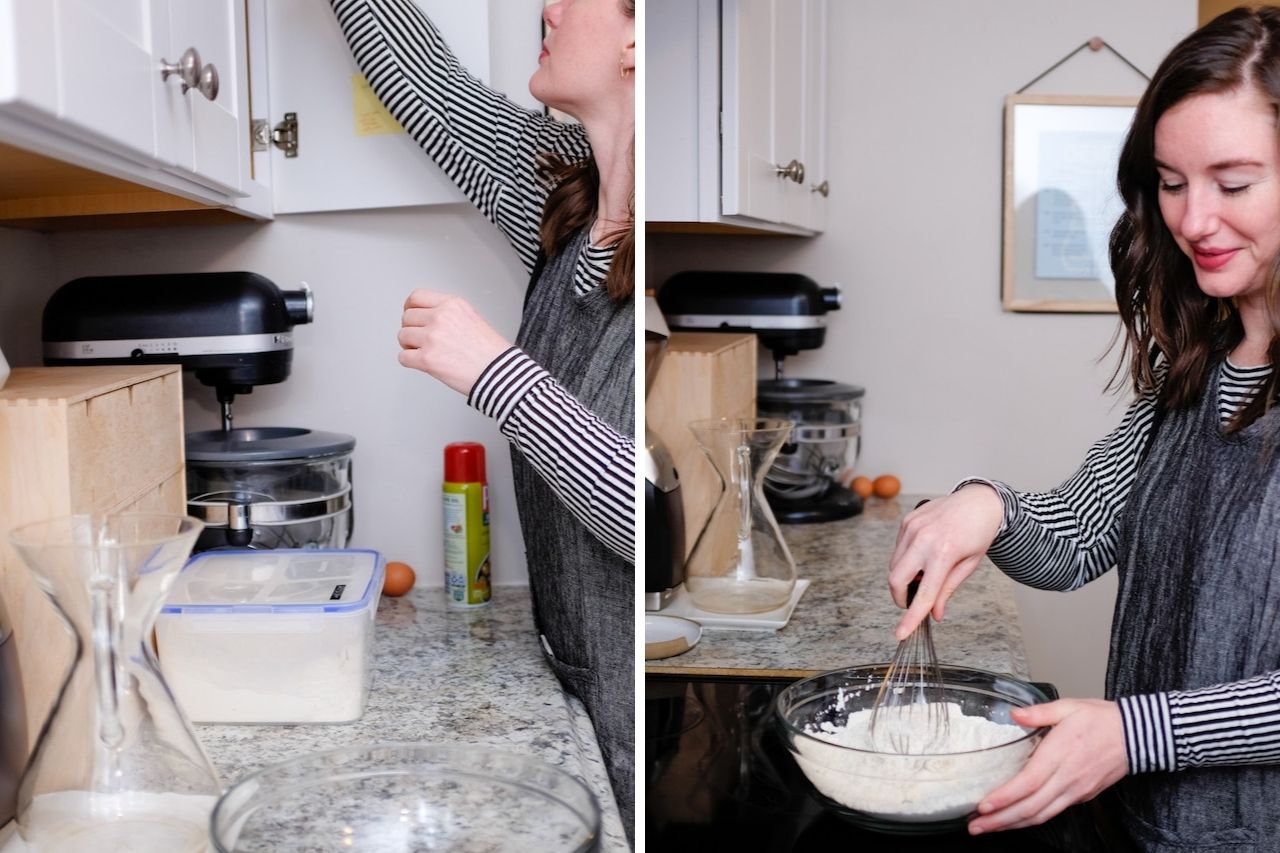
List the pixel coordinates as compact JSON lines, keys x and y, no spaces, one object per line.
{"x":911,"y":689}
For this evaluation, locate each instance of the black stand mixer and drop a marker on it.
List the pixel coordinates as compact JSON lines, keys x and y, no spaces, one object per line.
{"x":258,"y":487}
{"x":787,"y":312}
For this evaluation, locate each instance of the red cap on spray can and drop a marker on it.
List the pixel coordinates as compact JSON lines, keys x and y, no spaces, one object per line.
{"x":464,"y":462}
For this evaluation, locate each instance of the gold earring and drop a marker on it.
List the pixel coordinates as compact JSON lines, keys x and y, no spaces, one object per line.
{"x":623,"y":71}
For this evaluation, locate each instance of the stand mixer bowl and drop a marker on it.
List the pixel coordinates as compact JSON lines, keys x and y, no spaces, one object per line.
{"x":827,"y":438}
{"x":271,"y":487}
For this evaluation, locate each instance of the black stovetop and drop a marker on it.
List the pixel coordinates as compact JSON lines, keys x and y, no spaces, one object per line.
{"x":718,"y":776}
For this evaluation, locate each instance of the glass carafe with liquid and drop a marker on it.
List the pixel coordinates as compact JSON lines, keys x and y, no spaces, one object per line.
{"x":117,"y":767}
{"x":13,"y":720}
{"x":740,"y":562}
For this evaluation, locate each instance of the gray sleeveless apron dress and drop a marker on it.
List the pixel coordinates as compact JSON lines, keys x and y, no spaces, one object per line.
{"x":583,"y":593}
{"x":1198,"y":605}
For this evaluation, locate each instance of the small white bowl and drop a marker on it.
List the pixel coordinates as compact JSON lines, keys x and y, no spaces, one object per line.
{"x":668,"y":636}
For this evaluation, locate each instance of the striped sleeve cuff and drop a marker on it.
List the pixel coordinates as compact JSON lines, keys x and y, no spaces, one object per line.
{"x":1008,"y":497}
{"x":1148,"y":733}
{"x":506,"y":381}
{"x":1227,"y":724}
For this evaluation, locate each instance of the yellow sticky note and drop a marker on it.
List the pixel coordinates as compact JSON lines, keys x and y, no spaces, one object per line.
{"x":371,"y":116}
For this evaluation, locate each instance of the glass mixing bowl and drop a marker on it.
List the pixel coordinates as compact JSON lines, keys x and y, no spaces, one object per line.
{"x":407,"y":797}
{"x":892,"y":792}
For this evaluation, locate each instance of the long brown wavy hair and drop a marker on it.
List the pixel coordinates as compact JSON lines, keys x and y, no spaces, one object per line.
{"x":1162,"y":310}
{"x":571,"y":205}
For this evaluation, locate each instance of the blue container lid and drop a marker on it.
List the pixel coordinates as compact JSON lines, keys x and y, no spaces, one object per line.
{"x":285,"y":580}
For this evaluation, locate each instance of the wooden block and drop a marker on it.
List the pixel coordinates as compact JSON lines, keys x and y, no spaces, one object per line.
{"x":124,"y":443}
{"x":79,"y":440}
{"x":703,"y":375}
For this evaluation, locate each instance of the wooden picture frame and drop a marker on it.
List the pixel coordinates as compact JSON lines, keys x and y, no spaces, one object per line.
{"x":1060,"y":200}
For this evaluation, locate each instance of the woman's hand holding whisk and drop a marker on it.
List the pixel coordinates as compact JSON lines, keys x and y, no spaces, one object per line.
{"x":944,"y":541}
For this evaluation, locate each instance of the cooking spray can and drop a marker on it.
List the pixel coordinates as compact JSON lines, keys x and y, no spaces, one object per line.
{"x":466,"y":525}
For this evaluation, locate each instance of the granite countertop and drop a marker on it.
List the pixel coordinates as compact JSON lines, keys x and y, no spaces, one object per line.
{"x":846,"y":616}
{"x":447,"y":676}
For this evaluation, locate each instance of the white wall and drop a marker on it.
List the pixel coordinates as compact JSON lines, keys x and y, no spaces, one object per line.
{"x":361,"y":266}
{"x":26,"y":280}
{"x":954,"y":385}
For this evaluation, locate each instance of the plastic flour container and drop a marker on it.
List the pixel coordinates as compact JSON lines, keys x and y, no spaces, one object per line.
{"x":283,"y":636}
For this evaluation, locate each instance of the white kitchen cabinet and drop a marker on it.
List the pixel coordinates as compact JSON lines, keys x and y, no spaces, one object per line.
{"x":736,"y":114}
{"x":81,"y":83}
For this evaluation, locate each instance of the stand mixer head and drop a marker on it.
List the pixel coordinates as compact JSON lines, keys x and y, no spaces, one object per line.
{"x":234,"y":330}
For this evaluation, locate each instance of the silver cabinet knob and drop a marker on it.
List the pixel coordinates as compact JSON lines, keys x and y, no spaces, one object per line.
{"x":187,"y":68}
{"x":208,"y":85}
{"x":792,"y":171}
{"x":824,"y":188}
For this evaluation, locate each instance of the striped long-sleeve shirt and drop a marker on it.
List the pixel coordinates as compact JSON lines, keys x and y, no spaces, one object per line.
{"x":491,"y":147}
{"x":1064,"y":538}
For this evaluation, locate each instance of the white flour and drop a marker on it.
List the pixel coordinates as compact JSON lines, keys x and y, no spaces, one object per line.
{"x":316,"y":672}
{"x":123,"y":823}
{"x":946,"y":783}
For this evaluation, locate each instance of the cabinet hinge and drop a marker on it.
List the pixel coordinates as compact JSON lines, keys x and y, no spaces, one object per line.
{"x":283,"y":136}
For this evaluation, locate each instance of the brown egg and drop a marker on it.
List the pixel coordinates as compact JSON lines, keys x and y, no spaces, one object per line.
{"x":398,"y":580}
{"x":862,"y":487}
{"x":886,"y":486}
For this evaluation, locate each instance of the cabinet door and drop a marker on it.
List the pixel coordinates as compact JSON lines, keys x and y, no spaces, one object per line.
{"x":774,"y":121}
{"x":348,"y":158}
{"x":814,"y":122}
{"x":750,"y":183}
{"x":104,"y":70}
{"x":677,"y":106}
{"x":790,"y":76}
{"x":200,"y":138}
{"x":29,"y":58}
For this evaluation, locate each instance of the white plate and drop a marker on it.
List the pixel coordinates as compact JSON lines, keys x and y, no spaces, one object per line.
{"x":771,"y":620}
{"x":667,"y":636}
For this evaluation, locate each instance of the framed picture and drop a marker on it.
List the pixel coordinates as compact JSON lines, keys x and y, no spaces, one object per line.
{"x":1060,"y":200}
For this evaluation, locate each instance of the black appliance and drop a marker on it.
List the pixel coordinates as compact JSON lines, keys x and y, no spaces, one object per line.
{"x":234,"y":330}
{"x":788,"y":313}
{"x":253,"y":487}
{"x":663,"y":505}
{"x":718,"y":777}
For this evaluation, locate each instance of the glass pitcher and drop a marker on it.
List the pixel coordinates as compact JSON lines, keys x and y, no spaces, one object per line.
{"x":117,"y":766}
{"x":740,"y":563}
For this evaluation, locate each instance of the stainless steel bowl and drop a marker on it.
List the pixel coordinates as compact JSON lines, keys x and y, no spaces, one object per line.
{"x":891,"y":792}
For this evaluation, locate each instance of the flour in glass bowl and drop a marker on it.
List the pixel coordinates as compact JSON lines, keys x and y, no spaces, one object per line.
{"x":943,"y":777}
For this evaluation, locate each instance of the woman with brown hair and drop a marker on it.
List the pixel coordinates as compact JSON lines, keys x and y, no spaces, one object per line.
{"x":563,"y":394}
{"x":1183,"y":498}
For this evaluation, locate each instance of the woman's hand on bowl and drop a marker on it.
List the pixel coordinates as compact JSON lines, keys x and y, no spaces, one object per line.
{"x":1082,"y":755}
{"x":945,"y":539}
